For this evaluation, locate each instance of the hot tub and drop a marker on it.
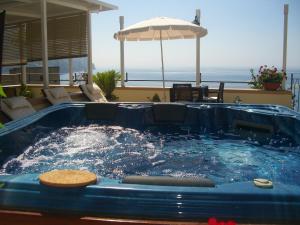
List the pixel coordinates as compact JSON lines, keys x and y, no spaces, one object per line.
{"x":213,"y":152}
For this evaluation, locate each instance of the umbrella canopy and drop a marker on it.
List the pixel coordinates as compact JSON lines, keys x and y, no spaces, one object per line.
{"x":170,"y":28}
{"x":161,"y":28}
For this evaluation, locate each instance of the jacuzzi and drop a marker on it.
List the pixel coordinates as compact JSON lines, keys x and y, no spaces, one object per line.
{"x":227,"y":144}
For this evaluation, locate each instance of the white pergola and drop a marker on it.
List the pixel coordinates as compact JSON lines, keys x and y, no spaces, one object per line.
{"x":19,"y":11}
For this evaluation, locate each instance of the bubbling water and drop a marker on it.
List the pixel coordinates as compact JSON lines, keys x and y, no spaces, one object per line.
{"x":114,"y":152}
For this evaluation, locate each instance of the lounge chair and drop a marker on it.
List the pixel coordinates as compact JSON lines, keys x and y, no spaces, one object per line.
{"x":93,"y":92}
{"x":16,"y":107}
{"x":56,"y":95}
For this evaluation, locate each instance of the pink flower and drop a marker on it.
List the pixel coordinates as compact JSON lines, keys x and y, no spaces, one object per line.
{"x":231,"y":222}
{"x":214,"y":221}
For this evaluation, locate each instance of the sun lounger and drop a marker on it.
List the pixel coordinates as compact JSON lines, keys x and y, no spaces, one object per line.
{"x":16,"y":107}
{"x":93,"y":92}
{"x":56,"y":95}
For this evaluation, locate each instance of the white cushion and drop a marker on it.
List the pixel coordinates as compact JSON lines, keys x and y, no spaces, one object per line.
{"x":17,"y":112}
{"x":58,"y":92}
{"x":49,"y":93}
{"x":93,"y":92}
{"x":16,"y":102}
{"x":93,"y":88}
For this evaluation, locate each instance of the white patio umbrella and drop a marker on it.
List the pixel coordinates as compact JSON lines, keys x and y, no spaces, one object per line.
{"x":161,"y":28}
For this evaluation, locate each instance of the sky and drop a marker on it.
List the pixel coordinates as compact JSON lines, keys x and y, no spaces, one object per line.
{"x":241,"y":34}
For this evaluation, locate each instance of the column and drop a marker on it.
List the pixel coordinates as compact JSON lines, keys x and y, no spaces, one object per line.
{"x":44,"y":43}
{"x":23,"y":74}
{"x":90,"y":56}
{"x":71,"y":83}
{"x":122,"y":65}
{"x":198,"y":52}
{"x":285,"y":31}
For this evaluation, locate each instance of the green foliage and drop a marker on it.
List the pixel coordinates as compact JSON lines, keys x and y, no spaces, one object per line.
{"x":155,"y":98}
{"x":25,"y":91}
{"x":266,"y":75}
{"x":2,"y":93}
{"x":107,"y":81}
{"x":255,"y":81}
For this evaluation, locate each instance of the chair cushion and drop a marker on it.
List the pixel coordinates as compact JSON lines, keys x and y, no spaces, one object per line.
{"x":16,"y":109}
{"x":16,"y":102}
{"x":93,"y":92}
{"x":53,"y":93}
{"x":93,"y":88}
{"x":58,"y":92}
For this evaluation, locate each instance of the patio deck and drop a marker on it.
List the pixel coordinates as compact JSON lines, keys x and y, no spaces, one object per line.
{"x":144,"y":94}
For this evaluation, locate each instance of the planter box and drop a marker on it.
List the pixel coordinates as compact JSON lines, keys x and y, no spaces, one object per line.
{"x":271,"y":86}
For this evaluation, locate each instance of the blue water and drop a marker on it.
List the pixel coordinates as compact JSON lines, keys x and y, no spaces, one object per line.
{"x":113,"y":151}
{"x":212,"y":75}
{"x":208,"y":74}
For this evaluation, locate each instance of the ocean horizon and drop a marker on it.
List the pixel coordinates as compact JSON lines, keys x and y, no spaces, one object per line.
{"x":210,"y":77}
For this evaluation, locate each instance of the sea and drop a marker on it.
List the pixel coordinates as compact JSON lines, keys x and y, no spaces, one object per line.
{"x":233,"y":78}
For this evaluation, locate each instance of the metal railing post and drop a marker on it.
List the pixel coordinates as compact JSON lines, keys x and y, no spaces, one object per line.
{"x":292,"y":81}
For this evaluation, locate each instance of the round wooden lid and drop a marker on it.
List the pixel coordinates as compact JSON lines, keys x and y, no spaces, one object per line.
{"x":68,"y":178}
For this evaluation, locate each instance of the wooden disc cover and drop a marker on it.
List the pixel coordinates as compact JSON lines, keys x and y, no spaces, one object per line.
{"x":68,"y":178}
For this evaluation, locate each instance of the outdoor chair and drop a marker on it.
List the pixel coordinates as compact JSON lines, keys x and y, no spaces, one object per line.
{"x":16,"y":107}
{"x":181,"y":93}
{"x":215,"y":99}
{"x":56,"y":95}
{"x":93,"y":92}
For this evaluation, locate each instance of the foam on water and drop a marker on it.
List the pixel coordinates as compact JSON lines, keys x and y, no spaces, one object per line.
{"x":113,"y":151}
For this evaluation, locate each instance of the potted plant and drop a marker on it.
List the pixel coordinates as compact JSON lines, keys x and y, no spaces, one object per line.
{"x":268,"y":78}
{"x":25,"y":91}
{"x":107,"y":81}
{"x":2,"y":94}
{"x":155,"y":98}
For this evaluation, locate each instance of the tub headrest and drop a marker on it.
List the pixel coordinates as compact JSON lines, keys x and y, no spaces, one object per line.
{"x":169,"y":181}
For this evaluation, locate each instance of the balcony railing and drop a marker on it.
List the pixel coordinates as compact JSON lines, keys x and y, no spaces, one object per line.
{"x":37,"y":78}
{"x":81,"y":77}
{"x":295,"y":87}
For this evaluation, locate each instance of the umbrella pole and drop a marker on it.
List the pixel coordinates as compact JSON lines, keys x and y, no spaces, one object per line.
{"x":162,"y":67}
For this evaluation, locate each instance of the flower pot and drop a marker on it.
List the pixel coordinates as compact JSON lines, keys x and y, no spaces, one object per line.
{"x":271,"y":86}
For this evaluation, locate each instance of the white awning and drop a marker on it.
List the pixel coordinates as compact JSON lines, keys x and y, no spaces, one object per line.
{"x":26,"y":10}
{"x":67,"y":29}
